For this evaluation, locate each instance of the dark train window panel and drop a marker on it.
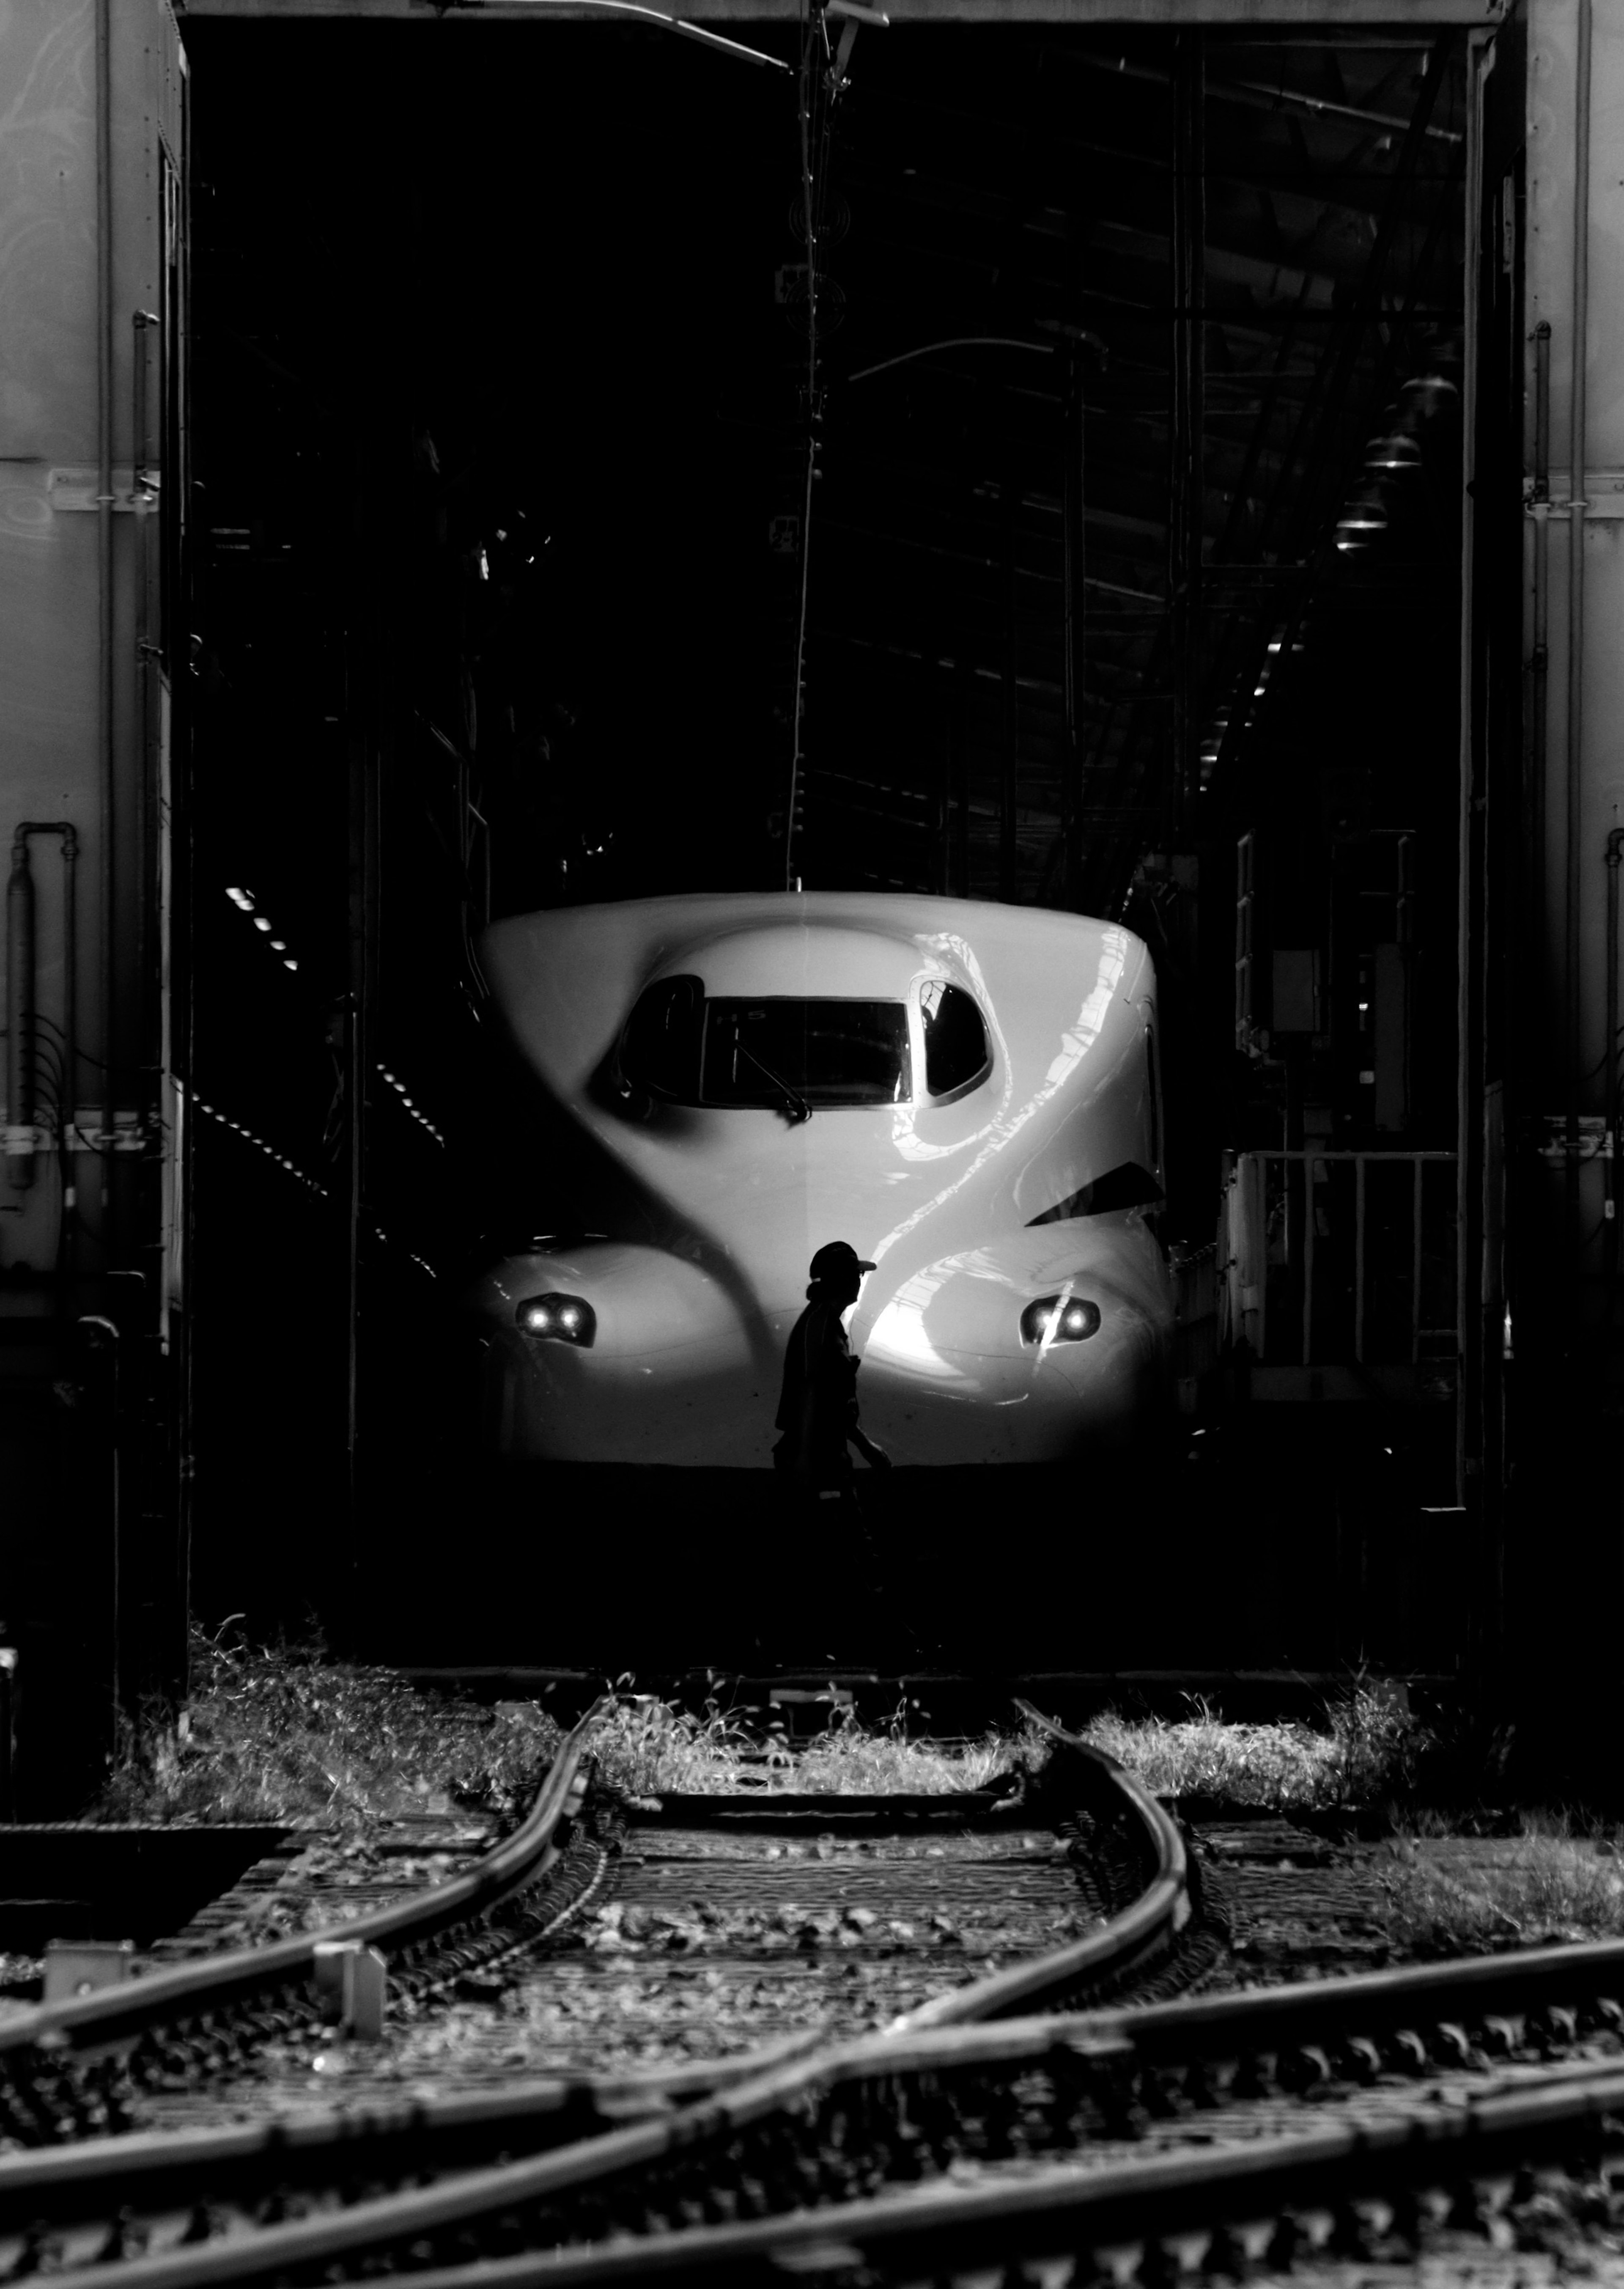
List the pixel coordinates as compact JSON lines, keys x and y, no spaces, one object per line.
{"x":956,"y":1050}
{"x":829,"y":1053}
{"x":659,"y":1049}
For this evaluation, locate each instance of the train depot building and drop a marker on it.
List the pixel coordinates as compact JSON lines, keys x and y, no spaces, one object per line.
{"x":1160,"y":463}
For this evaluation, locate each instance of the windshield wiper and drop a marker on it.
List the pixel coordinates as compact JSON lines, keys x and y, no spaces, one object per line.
{"x":797,"y":1107}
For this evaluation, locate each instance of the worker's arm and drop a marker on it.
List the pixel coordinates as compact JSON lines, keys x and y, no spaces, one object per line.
{"x":875,"y":1456}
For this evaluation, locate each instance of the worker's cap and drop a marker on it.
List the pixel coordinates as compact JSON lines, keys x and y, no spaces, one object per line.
{"x":839,"y":1256}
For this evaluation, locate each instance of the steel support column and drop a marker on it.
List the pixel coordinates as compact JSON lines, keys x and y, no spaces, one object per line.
{"x":1074,"y":414}
{"x":1185,"y":476}
{"x":1008,"y":880}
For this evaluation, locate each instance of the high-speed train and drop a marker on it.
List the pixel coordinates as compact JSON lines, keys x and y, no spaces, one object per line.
{"x":967,"y":1093}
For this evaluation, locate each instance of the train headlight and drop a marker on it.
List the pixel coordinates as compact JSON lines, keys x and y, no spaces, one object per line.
{"x":558,"y":1318}
{"x":1070,"y":1322}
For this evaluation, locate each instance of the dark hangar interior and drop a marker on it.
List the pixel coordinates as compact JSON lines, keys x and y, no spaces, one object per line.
{"x":1132,"y":587}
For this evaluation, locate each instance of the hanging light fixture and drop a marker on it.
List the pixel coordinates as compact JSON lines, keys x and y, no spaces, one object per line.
{"x":1428,"y":393}
{"x":1393,"y":453}
{"x":1363,"y":520}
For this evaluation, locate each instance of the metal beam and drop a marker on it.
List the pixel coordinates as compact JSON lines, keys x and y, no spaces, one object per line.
{"x":1401,"y":15}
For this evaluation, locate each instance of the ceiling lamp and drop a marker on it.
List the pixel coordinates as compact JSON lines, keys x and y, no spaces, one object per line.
{"x":1362,"y":522}
{"x":1429,"y":390}
{"x":1392,"y":453}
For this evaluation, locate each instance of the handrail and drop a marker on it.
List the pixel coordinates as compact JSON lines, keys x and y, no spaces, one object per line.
{"x":1245,"y":1214}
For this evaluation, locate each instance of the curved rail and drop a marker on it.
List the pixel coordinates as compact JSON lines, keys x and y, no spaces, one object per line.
{"x":1106,"y":1959}
{"x":804,"y":2135}
{"x":85,"y":2043}
{"x":808,"y":2145}
{"x":568,"y":2137}
{"x":115,"y":2018}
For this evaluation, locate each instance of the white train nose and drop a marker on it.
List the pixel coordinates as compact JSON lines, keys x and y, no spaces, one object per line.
{"x":665,"y":1029}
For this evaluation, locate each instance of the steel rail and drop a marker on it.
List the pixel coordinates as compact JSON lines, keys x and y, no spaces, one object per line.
{"x":1141,"y":1933}
{"x":104,"y":2026}
{"x":1106,"y":2060}
{"x":618,"y":2129}
{"x":115,"y":2017}
{"x":1117,"y":2220}
{"x":825,"y":2112}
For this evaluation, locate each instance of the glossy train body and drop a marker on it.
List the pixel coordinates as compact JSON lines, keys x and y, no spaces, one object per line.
{"x":968,"y":1093}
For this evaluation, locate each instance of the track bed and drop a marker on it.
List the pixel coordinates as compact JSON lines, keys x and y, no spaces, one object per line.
{"x":723,"y":1924}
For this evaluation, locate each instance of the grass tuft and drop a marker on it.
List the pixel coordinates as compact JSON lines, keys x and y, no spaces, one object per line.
{"x":283,"y":1735}
{"x":1538,"y":1889}
{"x":1369,"y":1751}
{"x":644,"y":1747}
{"x":647,"y":1748}
{"x":850,"y":1759}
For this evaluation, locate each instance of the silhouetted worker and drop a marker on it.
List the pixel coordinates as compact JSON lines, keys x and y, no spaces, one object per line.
{"x":817,"y":1411}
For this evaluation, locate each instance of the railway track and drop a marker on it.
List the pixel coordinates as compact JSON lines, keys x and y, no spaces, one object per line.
{"x":1114,"y":1868}
{"x":72,"y":2068}
{"x":719,"y":1916}
{"x":1043,"y":2149}
{"x":990,"y":2132}
{"x":1351,"y":2116}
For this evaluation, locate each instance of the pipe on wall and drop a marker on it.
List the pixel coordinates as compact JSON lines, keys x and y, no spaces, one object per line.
{"x":1577,"y":426}
{"x":22,"y":1004}
{"x":19,"y":1005}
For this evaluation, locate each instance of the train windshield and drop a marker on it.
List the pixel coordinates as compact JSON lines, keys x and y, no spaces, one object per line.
{"x":823,"y":1052}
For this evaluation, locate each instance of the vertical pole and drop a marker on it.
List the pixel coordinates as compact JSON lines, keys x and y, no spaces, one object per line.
{"x":1610,"y":1063}
{"x":107,"y":821}
{"x":809,"y":82}
{"x":1468,"y":1073}
{"x":144,"y":1058}
{"x":66,"y":1109}
{"x":1073,"y":403}
{"x":1415,"y":1262}
{"x":942,"y":838}
{"x":364,"y":708}
{"x":964,"y":694}
{"x":98,"y":1348}
{"x":1185,"y":475}
{"x":1358,"y":1259}
{"x":1578,"y":427}
{"x":20,"y":1015}
{"x":1539,"y":697}
{"x":1008,"y":886}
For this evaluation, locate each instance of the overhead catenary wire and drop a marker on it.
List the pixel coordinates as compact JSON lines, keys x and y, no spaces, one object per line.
{"x":955,"y":342}
{"x":671,"y":24}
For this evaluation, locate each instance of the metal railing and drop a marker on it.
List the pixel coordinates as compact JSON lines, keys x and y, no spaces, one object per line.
{"x":1285,"y":1214}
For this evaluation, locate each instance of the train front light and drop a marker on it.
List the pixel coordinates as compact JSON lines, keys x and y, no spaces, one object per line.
{"x":1069,"y":1321}
{"x":559,"y":1319}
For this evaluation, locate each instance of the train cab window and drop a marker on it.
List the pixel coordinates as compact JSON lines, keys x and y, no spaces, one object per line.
{"x":822,"y":1052}
{"x":659,"y":1049}
{"x":956,"y":1050}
